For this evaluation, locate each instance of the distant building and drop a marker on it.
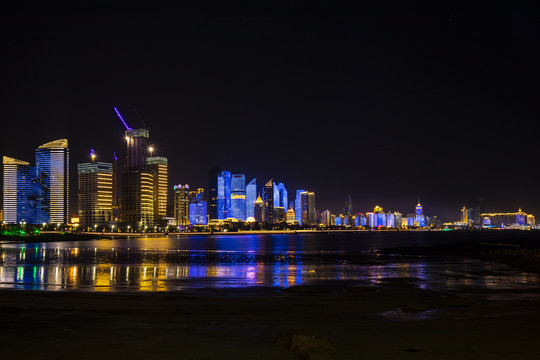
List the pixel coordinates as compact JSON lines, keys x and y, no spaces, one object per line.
{"x":390,"y":220}
{"x":224,"y":195}
{"x":158,"y":166}
{"x":308,"y":208}
{"x":290,"y":216}
{"x":212,"y":194}
{"x":298,"y":206}
{"x":347,"y":210}
{"x":238,"y":196}
{"x":251,"y":197}
{"x":268,"y":199}
{"x":20,"y":193}
{"x":326,"y":218}
{"x":258,"y":210}
{"x":95,"y":194}
{"x":181,"y":205}
{"x":464,"y":215}
{"x":518,"y":218}
{"x":198,"y":213}
{"x":283,"y":197}
{"x":419,"y":218}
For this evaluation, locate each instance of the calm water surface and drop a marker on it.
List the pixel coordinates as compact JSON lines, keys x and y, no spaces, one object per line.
{"x":175,"y":263}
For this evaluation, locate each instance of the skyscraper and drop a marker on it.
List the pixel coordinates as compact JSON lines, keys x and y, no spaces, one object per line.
{"x":347,"y":211}
{"x":213,"y":192}
{"x":419,"y":218}
{"x":137,"y":206}
{"x":181,"y":205}
{"x":283,"y":197}
{"x":197,"y":213}
{"x":20,"y":193}
{"x":251,"y":197}
{"x":298,"y":206}
{"x":224,"y":195}
{"x":238,"y":196}
{"x":158,"y":166}
{"x":307,"y":200}
{"x":258,"y":210}
{"x":52,"y":172}
{"x":268,"y":200}
{"x":95,"y":194}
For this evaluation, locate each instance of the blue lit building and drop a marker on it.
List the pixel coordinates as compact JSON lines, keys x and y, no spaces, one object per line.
{"x":419,"y":218}
{"x":238,"y":197}
{"x":298,"y":206}
{"x":372,"y":219}
{"x":224,"y":195}
{"x":283,"y":197}
{"x":20,"y":194}
{"x":197,"y":213}
{"x":390,"y":220}
{"x":251,"y":197}
{"x":277,"y":199}
{"x":337,"y":221}
{"x":381,"y":219}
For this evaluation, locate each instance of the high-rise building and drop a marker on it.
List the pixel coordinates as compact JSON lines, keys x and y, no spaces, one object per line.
{"x":181,"y":205}
{"x":95,"y":194}
{"x":419,"y":218}
{"x":158,"y":166}
{"x":137,"y":205}
{"x":224,"y":195}
{"x":52,"y":167}
{"x":268,"y":199}
{"x":298,"y":206}
{"x":398,"y":219}
{"x":283,"y":197}
{"x":197,"y":213}
{"x":20,"y":197}
{"x":464,"y":215}
{"x":251,"y":197}
{"x":277,"y":199}
{"x":391,"y":220}
{"x":347,"y":211}
{"x":238,"y":196}
{"x":307,"y":200}
{"x":258,"y":210}
{"x":212,"y":200}
{"x":326,"y":218}
{"x":290,"y":216}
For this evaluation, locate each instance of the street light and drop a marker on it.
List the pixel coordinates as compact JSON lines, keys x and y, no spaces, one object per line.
{"x":151,"y":150}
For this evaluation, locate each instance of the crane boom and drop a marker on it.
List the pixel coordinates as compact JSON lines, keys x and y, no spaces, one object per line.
{"x":120,"y":116}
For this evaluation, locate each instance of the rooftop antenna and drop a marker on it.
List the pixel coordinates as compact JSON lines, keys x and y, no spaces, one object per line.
{"x":120,"y":116}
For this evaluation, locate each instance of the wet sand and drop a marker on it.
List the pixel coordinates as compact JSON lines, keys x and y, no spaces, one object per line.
{"x":329,"y":320}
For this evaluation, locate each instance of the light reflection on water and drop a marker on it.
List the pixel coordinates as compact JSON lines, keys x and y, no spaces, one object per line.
{"x":165,"y":264}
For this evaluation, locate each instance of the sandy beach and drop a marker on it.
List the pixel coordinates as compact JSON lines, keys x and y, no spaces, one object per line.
{"x":330,"y":320}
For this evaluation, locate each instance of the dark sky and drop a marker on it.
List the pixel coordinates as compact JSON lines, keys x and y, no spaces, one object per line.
{"x":385,"y":100}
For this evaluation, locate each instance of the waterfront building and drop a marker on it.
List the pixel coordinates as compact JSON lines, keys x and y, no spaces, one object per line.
{"x":298,"y":206}
{"x":158,"y":166}
{"x":181,"y":205}
{"x":381,"y":220}
{"x":20,"y":196}
{"x":224,"y":195}
{"x":283,"y":197}
{"x":308,"y":208}
{"x":356,"y":221}
{"x":277,"y":199}
{"x":390,"y":220}
{"x":347,"y":211}
{"x":52,"y":166}
{"x":410,"y":220}
{"x":326,"y":218}
{"x":198,"y":213}
{"x":338,"y":221}
{"x":251,"y":197}
{"x":419,"y":218}
{"x":530,"y":220}
{"x":268,"y":199}
{"x":95,"y":194}
{"x":464,"y":215}
{"x":258,"y":210}
{"x":501,"y":220}
{"x":371,"y":219}
{"x":212,"y":199}
{"x":279,"y":214}
{"x":238,"y":196}
{"x":290,"y":216}
{"x":398,"y":221}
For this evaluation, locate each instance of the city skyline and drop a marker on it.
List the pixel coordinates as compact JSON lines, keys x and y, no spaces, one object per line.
{"x":383,"y":102}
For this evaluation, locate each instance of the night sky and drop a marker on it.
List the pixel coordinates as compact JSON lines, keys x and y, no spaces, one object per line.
{"x":385,"y":100}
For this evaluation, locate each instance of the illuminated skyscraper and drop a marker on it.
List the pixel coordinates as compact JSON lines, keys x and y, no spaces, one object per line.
{"x":347,"y":211}
{"x":95,"y":194}
{"x":268,"y":199}
{"x":159,"y":169}
{"x":251,"y":197}
{"x":327,"y":218}
{"x":52,"y":167}
{"x":298,"y":206}
{"x":283,"y":197}
{"x":224,"y":195}
{"x":419,"y":218}
{"x":307,"y":201}
{"x":258,"y":210}
{"x":464,"y":215}
{"x":213,"y":192}
{"x":197,"y":213}
{"x":238,"y":196}
{"x":20,"y":197}
{"x":277,"y":199}
{"x":181,"y":205}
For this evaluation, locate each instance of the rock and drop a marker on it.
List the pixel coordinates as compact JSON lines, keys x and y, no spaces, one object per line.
{"x":310,"y":346}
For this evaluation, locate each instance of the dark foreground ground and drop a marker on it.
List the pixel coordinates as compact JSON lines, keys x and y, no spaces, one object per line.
{"x":334,"y":320}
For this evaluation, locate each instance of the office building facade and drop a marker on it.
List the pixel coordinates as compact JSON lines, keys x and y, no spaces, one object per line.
{"x":95,"y":194}
{"x":238,"y":196}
